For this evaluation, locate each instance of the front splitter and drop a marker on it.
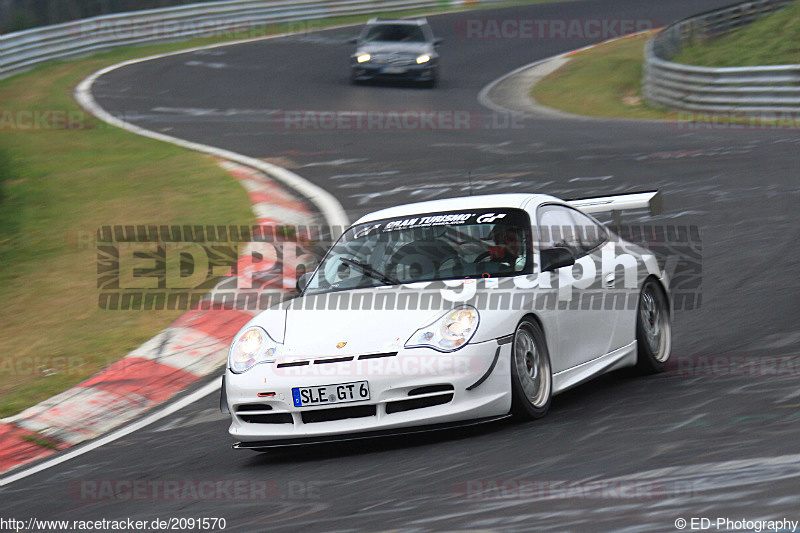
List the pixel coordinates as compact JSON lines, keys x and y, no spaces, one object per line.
{"x":265,"y":445}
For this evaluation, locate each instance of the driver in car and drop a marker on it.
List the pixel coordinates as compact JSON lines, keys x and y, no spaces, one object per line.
{"x":509,"y":246}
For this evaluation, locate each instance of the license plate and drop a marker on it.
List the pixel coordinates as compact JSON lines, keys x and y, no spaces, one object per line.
{"x":357,"y":391}
{"x":394,"y":70}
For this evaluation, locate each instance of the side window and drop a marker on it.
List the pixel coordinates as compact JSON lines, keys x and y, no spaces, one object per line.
{"x":427,"y":32}
{"x":557,"y":229}
{"x":569,"y":228}
{"x":590,"y":233}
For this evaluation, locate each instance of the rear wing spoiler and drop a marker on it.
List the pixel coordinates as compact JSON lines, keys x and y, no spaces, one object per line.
{"x":650,"y":200}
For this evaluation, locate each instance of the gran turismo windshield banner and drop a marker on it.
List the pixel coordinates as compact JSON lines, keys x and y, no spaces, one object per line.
{"x":507,"y":217}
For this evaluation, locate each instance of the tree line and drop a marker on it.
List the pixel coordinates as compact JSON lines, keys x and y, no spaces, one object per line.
{"x":17,"y":15}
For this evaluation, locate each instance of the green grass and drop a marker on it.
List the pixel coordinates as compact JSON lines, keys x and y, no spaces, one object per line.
{"x":59,"y":182}
{"x":771,"y":40}
{"x":9,"y":211}
{"x":603,"y":81}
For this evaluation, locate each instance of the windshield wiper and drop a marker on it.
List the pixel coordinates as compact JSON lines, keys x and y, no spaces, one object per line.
{"x":370,"y":271}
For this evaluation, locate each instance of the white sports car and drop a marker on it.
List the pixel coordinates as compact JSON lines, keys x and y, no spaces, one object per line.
{"x":449,"y":312}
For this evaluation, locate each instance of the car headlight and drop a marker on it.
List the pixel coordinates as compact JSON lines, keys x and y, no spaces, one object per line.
{"x":449,"y":332}
{"x":251,"y":347}
{"x":424,"y":58}
{"x":362,"y":58}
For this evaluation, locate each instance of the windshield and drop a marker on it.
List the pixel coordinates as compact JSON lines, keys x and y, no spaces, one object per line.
{"x":427,"y":247}
{"x":394,"y":33}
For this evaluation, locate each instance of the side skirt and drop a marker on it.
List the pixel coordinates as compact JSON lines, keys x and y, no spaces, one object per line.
{"x":619,"y":358}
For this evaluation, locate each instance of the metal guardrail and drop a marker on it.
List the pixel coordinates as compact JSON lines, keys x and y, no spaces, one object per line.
{"x":742,"y":89}
{"x":240,"y":18}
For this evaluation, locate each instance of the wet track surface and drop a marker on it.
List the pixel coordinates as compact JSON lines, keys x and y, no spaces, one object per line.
{"x":700,"y":443}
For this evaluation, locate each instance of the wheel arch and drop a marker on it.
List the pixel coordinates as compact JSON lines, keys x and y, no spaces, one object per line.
{"x":660,"y":284}
{"x":533,"y":317}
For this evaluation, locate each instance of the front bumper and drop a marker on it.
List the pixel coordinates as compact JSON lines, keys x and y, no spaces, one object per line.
{"x":410,"y":388}
{"x":369,"y":71}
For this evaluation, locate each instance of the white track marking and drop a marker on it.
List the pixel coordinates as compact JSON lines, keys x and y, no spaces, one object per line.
{"x":329,"y":206}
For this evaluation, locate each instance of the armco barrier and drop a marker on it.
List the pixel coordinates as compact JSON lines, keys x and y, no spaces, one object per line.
{"x":25,"y":49}
{"x":745,"y":89}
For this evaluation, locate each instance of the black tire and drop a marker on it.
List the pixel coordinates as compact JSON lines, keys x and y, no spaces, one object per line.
{"x":653,"y":328}
{"x":531,"y":374}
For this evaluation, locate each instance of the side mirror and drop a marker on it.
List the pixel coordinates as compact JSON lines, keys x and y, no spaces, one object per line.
{"x":554,"y":258}
{"x":353,"y":40}
{"x":437,"y":41}
{"x":302,"y":282}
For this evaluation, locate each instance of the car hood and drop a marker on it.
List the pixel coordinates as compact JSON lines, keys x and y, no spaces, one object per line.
{"x":396,"y":48}
{"x":319,"y":325}
{"x":315,"y":325}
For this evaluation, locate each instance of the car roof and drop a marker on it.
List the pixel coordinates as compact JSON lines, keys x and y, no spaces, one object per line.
{"x":408,"y":22}
{"x":489,"y":201}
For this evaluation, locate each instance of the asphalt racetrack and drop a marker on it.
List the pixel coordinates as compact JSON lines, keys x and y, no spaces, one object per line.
{"x":620,"y":453}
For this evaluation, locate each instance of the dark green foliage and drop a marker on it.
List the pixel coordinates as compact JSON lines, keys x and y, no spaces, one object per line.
{"x":16,"y":15}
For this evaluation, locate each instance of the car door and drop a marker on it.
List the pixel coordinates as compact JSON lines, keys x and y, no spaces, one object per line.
{"x":585,"y":325}
{"x":615,"y":285}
